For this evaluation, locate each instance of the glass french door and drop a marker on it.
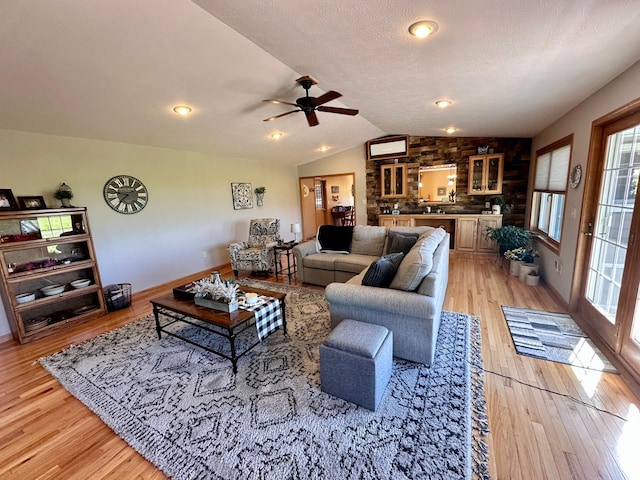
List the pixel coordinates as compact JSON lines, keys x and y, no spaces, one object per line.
{"x":610,"y":298}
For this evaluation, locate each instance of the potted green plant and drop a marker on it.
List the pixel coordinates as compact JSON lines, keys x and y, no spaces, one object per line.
{"x":533,"y":278}
{"x":509,"y":237}
{"x":259,"y":191}
{"x":64,"y":194}
{"x":503,"y":206}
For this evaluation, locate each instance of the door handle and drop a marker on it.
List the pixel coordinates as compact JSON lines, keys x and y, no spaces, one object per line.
{"x":589,"y":232}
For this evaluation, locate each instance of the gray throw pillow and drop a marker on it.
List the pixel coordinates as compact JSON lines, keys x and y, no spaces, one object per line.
{"x":382,"y":271}
{"x":401,"y":242}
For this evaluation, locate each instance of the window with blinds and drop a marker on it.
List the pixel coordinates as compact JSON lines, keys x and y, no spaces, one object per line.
{"x":550,"y":189}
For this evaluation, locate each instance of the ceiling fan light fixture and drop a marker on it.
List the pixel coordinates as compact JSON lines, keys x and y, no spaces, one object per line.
{"x":423,"y":28}
{"x":276,"y":135}
{"x":443,"y":103}
{"x":451,"y":130}
{"x":182,"y":109}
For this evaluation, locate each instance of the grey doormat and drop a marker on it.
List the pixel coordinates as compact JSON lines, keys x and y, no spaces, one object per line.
{"x":553,"y":336}
{"x":183,"y":409}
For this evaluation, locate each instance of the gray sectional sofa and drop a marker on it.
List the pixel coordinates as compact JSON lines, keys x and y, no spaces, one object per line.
{"x":410,"y":307}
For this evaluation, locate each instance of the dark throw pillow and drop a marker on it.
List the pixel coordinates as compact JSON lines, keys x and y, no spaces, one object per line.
{"x":401,"y":242}
{"x":382,"y":271}
{"x":332,"y":238}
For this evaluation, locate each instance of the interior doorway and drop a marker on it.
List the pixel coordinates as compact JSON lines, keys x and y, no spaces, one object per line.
{"x":320,"y":194}
{"x":609,"y":260}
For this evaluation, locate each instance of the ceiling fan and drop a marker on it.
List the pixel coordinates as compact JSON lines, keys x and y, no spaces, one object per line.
{"x":309,"y":105}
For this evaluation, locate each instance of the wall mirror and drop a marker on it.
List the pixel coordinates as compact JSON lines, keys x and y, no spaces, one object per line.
{"x":436,"y":183}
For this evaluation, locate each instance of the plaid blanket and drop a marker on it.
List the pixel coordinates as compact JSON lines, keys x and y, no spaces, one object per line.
{"x":268,"y":315}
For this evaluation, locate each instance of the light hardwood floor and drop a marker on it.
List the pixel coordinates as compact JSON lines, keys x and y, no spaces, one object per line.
{"x":535,"y":434}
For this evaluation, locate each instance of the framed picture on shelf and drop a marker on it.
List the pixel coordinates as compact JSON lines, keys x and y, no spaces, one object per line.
{"x":242,"y":194}
{"x":7,"y":200}
{"x":31,"y":203}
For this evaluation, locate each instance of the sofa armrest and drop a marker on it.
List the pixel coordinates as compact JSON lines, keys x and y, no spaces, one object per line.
{"x":299,"y":252}
{"x":388,"y":300}
{"x":305,"y":248}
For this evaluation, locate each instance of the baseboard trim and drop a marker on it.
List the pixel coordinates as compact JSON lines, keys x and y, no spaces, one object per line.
{"x":6,"y":338}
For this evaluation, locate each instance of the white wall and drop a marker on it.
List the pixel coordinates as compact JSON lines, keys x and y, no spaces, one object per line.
{"x":353,"y":160}
{"x":189,"y":211}
{"x":615,"y":94}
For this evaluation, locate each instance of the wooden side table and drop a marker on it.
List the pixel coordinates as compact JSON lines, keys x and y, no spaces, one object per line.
{"x":285,"y":250}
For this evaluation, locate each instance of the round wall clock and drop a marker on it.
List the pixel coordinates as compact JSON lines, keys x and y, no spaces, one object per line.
{"x":305,"y":191}
{"x":575,"y":176}
{"x":125,"y":194}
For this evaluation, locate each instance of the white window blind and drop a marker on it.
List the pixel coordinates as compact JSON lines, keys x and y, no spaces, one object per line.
{"x":552,"y":170}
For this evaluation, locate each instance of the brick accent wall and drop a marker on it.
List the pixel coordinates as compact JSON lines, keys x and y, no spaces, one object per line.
{"x":429,"y":151}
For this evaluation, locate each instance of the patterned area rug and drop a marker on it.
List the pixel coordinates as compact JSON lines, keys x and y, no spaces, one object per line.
{"x":183,"y":409}
{"x":553,"y":336}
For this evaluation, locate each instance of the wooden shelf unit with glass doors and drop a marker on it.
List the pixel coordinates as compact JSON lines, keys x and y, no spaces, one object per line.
{"x":41,"y":248}
{"x":393,"y":180}
{"x":485,"y":174}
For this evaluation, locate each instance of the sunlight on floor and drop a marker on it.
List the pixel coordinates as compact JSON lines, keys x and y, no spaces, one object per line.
{"x":589,"y":379}
{"x":583,"y":354}
{"x":628,"y":445}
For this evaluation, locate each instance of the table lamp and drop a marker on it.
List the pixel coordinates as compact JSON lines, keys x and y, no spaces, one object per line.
{"x":296,"y":229}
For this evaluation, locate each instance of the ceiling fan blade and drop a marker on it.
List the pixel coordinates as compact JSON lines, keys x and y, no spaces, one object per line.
{"x":343,"y":111}
{"x":273,"y":100}
{"x":312,"y":119}
{"x":327,"y":97}
{"x":281,"y":115}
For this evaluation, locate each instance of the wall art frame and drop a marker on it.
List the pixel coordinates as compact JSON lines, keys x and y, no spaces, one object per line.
{"x":7,"y":200}
{"x":242,"y":194}
{"x":34,"y":202}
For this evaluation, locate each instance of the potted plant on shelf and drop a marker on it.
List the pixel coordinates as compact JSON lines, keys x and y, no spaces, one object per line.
{"x":509,"y":237}
{"x":499,"y":205}
{"x":259,"y":191}
{"x":64,"y":194}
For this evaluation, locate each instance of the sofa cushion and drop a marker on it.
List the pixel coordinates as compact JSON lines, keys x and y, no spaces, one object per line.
{"x":418,"y":262}
{"x":368,"y":240}
{"x":353,"y":262}
{"x":382,"y":271}
{"x":333,"y":238}
{"x":401,"y":242}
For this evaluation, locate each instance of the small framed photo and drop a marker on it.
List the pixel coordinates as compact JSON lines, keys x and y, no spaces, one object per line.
{"x":31,"y":203}
{"x":442,"y":191}
{"x":335,"y":189}
{"x":7,"y":200}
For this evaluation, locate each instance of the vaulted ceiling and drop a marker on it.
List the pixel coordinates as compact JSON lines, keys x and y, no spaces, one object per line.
{"x":113,"y":70}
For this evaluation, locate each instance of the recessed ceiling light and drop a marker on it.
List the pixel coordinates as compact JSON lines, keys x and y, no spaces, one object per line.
{"x":277,"y":135}
{"x":324,"y":148}
{"x":451,"y":130}
{"x":423,"y":28}
{"x":182,"y":109}
{"x":443,"y":103}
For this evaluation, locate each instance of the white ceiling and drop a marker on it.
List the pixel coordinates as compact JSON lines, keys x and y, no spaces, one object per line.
{"x":113,"y":69}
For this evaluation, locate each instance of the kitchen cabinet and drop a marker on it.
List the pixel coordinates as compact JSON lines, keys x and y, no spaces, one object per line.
{"x":395,"y":221}
{"x":485,"y":174}
{"x":48,"y":248}
{"x":468,"y":231}
{"x":471,"y":233}
{"x":393,"y":180}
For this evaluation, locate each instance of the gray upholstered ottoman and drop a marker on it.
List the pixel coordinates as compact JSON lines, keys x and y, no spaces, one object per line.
{"x":356,"y":361}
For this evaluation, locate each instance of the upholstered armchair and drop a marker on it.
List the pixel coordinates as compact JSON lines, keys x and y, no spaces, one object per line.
{"x":257,"y":253}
